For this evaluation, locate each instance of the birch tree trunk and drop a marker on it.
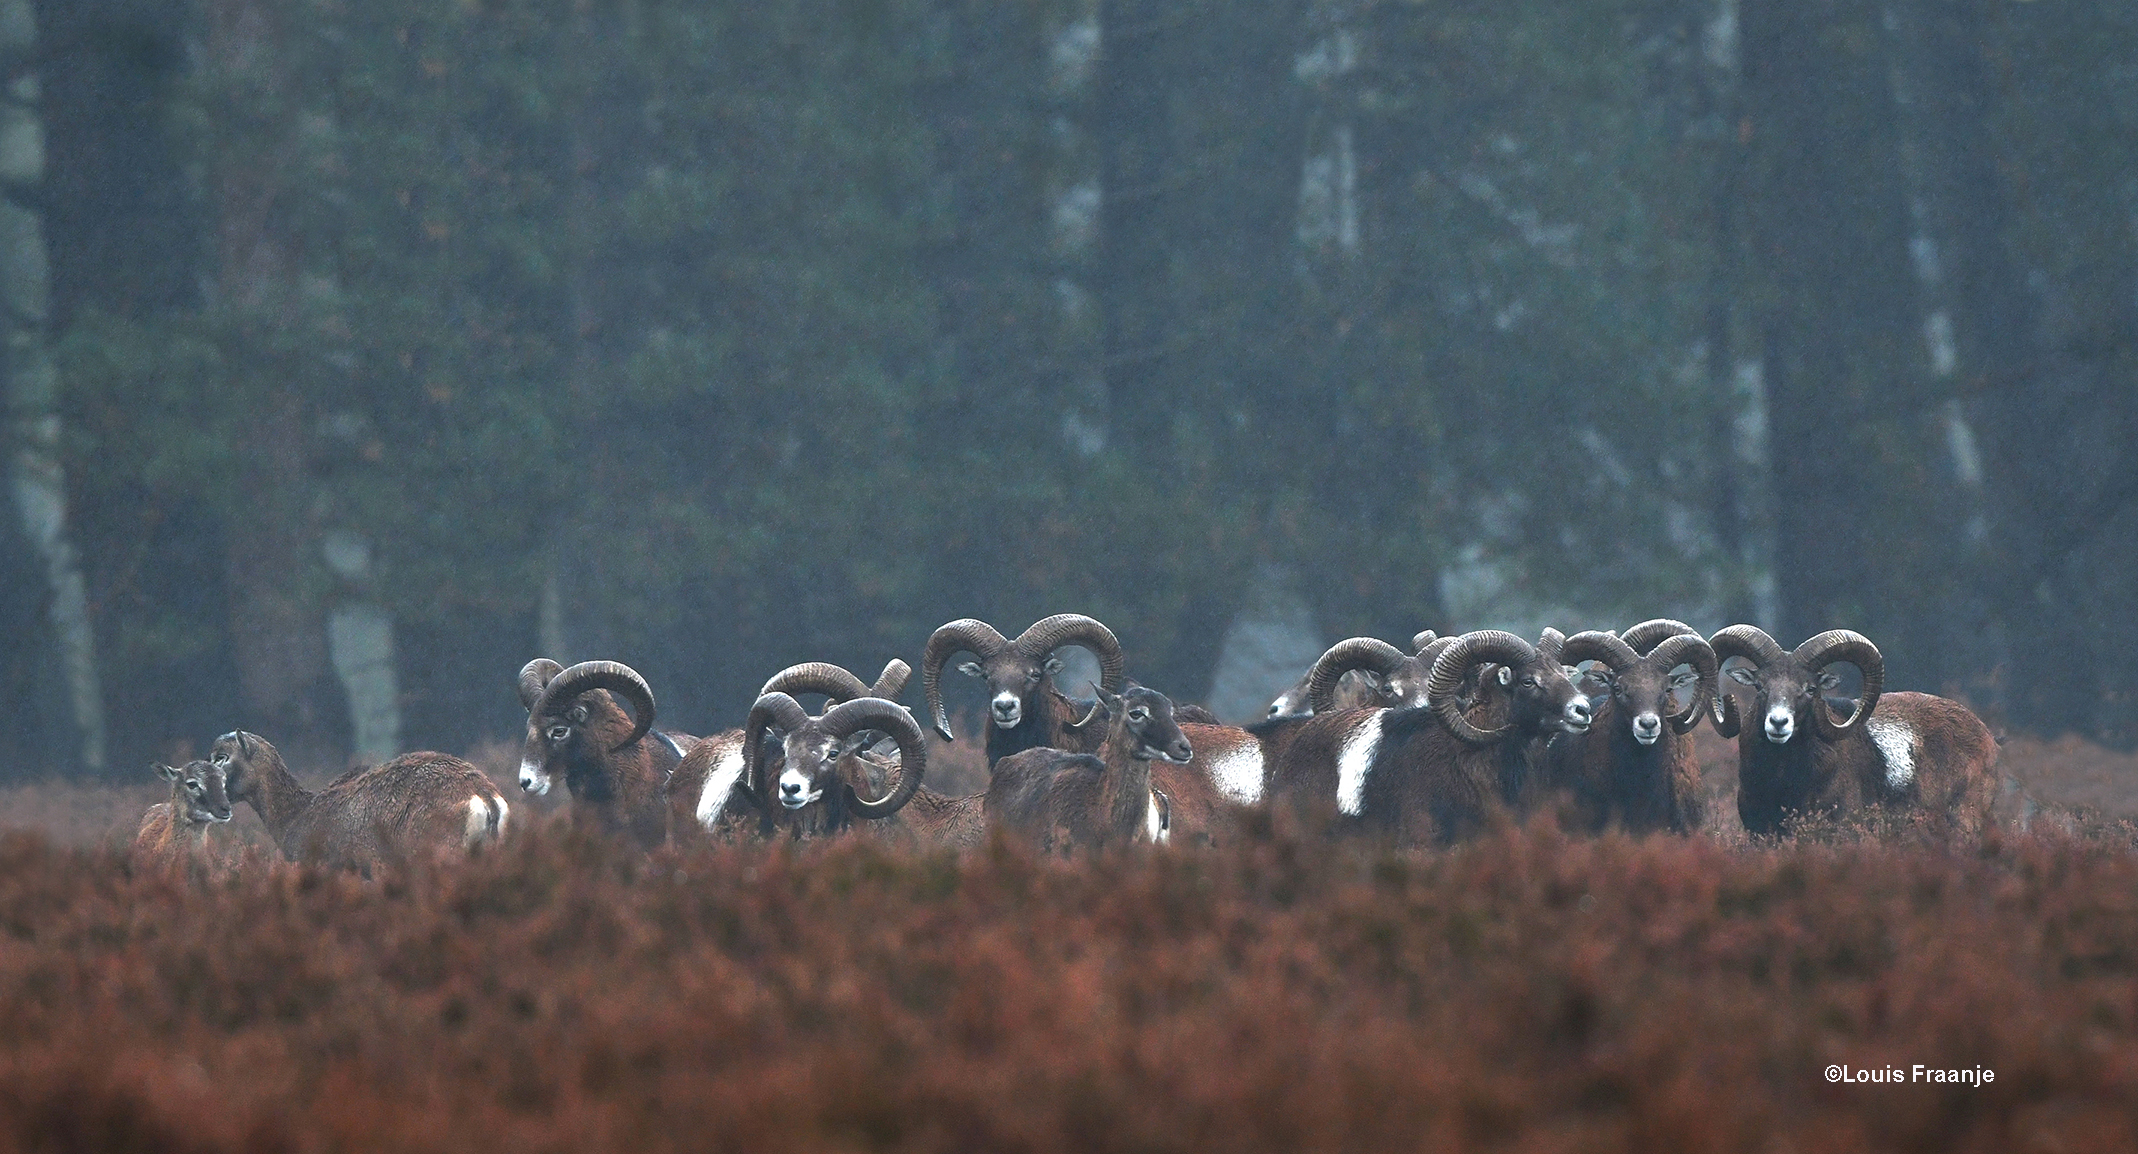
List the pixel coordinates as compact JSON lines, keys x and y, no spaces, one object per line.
{"x":33,"y":385}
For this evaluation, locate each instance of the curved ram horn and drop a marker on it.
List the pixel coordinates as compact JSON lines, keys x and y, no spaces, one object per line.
{"x":1747,"y":641}
{"x":1455,"y":663}
{"x":534,"y":676}
{"x":1751,"y":643}
{"x":1690,"y":649}
{"x":965,"y":635}
{"x":1727,"y":723}
{"x":614,"y":676}
{"x":1052,"y":633}
{"x":1842,"y":645}
{"x":1594,"y":645}
{"x":1421,"y":639}
{"x":892,"y":681}
{"x":771,"y":710}
{"x":1645,"y":636}
{"x":843,"y":721}
{"x":1368,"y":653}
{"x":834,"y":682}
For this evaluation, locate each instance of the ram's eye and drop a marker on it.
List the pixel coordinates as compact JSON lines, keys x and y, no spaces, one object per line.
{"x":192,"y":787}
{"x":1139,"y":714}
{"x":559,"y":732}
{"x":1530,"y":681}
{"x":1031,"y":677}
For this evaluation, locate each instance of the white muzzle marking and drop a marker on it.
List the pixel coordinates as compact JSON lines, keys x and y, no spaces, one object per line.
{"x":532,"y":778}
{"x":1577,"y":715}
{"x":1008,"y":710}
{"x":1647,"y":728}
{"x":1781,"y":725}
{"x":796,"y":790}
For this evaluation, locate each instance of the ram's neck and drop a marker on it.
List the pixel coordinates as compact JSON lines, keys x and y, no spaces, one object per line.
{"x":280,"y":801}
{"x":1125,"y":795}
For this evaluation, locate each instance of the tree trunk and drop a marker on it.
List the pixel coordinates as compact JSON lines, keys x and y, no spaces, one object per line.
{"x":33,"y":387}
{"x":277,"y":617}
{"x":1744,"y":490}
{"x":1823,"y":221}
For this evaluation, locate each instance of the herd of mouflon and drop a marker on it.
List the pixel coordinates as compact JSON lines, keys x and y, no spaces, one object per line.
{"x":1419,"y":746}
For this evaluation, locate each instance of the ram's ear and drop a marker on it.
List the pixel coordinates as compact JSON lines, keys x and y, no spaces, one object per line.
{"x":1506,"y":675}
{"x":971,"y":669}
{"x":1683,"y":678}
{"x":167,"y":772}
{"x":1743,"y":676}
{"x":1829,"y":680}
{"x":1052,"y":666}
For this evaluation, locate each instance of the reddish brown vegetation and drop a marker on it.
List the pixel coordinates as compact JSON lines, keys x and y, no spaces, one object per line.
{"x":1523,"y":992}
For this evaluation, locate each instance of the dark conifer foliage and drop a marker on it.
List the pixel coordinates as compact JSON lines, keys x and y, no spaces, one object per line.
{"x":718,"y":336}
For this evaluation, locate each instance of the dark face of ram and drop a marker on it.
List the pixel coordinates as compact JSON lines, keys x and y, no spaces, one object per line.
{"x":811,"y":767}
{"x":1147,"y":716}
{"x":553,"y":742}
{"x":203,"y":789}
{"x":1012,"y":681}
{"x":1782,"y":696}
{"x":1542,"y":698}
{"x":1641,"y":695}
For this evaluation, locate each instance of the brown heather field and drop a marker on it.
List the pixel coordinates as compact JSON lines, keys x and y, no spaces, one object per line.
{"x":1525,"y":992}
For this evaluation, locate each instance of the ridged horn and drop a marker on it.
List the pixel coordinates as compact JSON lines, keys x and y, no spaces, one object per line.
{"x":1596,"y":645}
{"x":1689,"y":649}
{"x":1751,"y":643}
{"x":892,"y":681}
{"x":1648,"y":634}
{"x":833,"y":681}
{"x":1421,"y":639}
{"x":1747,"y":641}
{"x":1046,"y":636}
{"x":613,"y":676}
{"x":842,"y":721}
{"x":1368,"y":653}
{"x":770,"y":710}
{"x":1842,"y":645}
{"x":1727,"y":723}
{"x":965,"y":635}
{"x":1455,"y":663}
{"x":1550,"y":642}
{"x":534,"y":676}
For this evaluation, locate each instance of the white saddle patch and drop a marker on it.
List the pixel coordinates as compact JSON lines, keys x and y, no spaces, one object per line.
{"x":1896,"y":745}
{"x":719,"y":785}
{"x":1354,"y":761}
{"x":1237,"y":772}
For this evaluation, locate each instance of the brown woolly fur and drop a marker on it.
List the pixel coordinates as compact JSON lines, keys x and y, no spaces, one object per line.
{"x":1525,"y":992}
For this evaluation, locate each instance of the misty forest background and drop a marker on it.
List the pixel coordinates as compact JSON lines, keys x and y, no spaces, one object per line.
{"x":357,"y":353}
